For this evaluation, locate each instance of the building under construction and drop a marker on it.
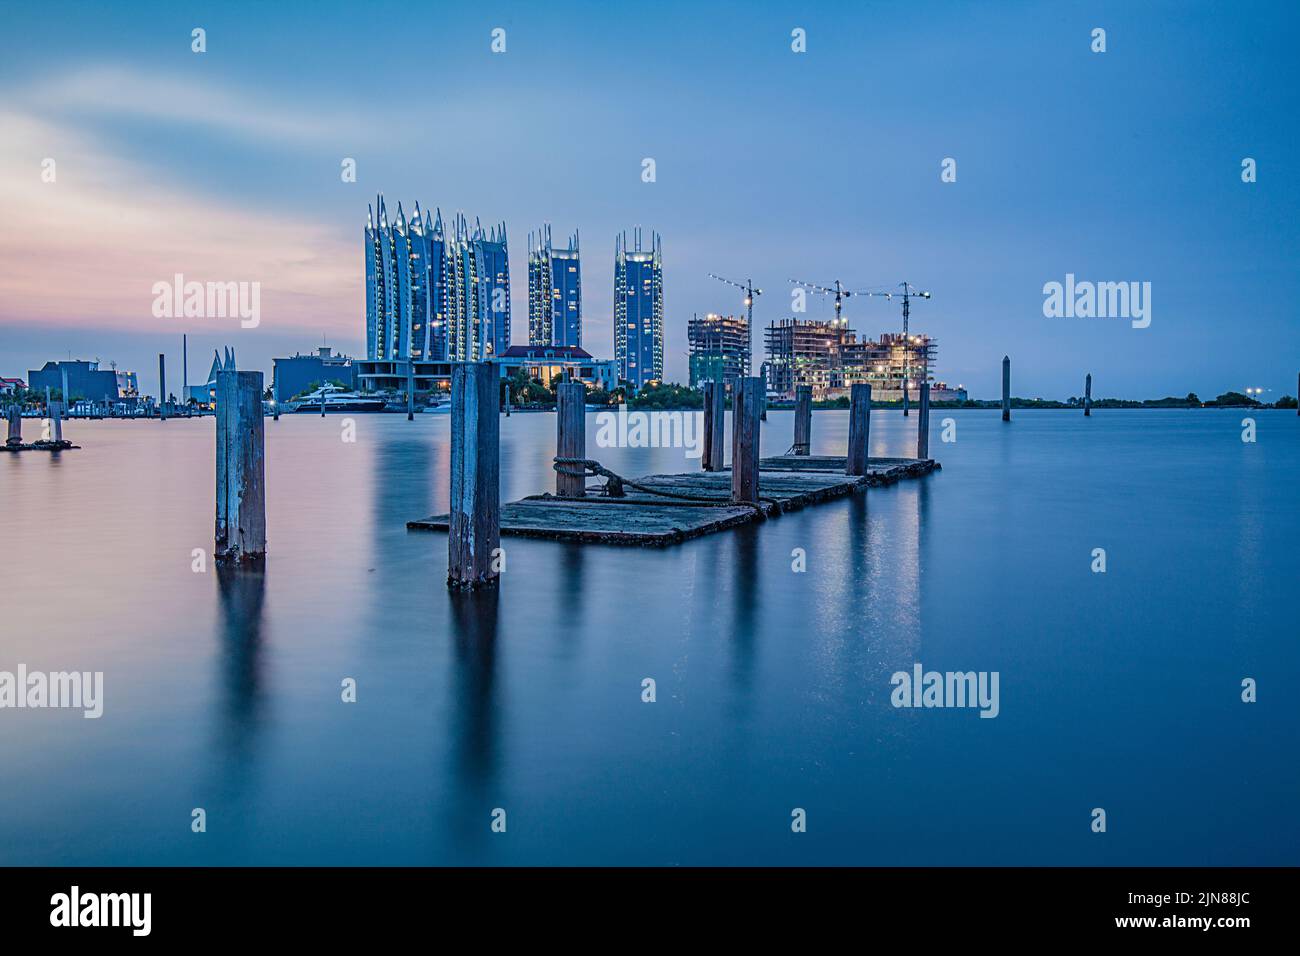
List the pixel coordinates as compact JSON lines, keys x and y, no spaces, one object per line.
{"x":831,"y":359}
{"x":720,"y":348}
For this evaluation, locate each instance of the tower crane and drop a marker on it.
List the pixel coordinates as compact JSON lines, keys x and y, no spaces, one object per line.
{"x":909,"y":293}
{"x":750,"y":294}
{"x":838,"y":291}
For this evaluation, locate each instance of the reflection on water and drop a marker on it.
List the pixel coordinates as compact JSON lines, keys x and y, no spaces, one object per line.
{"x":241,"y":597}
{"x":772,"y":685}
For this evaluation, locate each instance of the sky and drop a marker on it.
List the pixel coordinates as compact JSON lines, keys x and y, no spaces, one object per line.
{"x":822,"y":165}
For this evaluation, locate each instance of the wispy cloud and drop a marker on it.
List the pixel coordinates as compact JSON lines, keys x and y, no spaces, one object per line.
{"x":87,"y":248}
{"x":113,"y":92}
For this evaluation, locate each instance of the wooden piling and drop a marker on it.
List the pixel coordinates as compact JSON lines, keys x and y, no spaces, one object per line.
{"x":803,"y":420}
{"x":715,"y":410}
{"x":571,"y":436}
{"x":410,"y":390}
{"x":1087,"y":396}
{"x":859,"y":429}
{"x":923,"y":423}
{"x":474,"y":536}
{"x":747,"y":411}
{"x":15,"y":437}
{"x":241,"y":466}
{"x":54,"y":411}
{"x":706,"y":447}
{"x":1006,"y":388}
{"x":162,"y":387}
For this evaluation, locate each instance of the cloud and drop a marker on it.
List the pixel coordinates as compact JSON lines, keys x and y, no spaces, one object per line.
{"x":87,"y":248}
{"x":115,"y":91}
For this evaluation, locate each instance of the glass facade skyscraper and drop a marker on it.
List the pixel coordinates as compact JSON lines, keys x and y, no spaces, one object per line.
{"x":433,"y":297}
{"x":639,"y":309}
{"x":554,"y":291}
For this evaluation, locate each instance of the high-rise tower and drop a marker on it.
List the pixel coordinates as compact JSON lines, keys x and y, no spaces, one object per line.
{"x":432,"y":296}
{"x":554,"y":291}
{"x":639,"y":309}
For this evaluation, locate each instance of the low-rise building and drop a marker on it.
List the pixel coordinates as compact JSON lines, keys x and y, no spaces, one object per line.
{"x":300,"y":373}
{"x":86,"y":380}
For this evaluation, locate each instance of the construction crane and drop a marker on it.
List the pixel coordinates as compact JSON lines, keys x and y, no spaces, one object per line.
{"x":750,"y":294}
{"x":838,"y":291}
{"x":909,"y":293}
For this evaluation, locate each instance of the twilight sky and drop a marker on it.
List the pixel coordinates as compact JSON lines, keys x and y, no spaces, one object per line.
{"x":225,"y":166}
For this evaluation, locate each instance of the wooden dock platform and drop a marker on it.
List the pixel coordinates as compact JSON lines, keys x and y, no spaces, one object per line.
{"x":785,"y":483}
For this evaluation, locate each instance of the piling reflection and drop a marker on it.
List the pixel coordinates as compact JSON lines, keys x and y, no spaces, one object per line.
{"x":746,"y":601}
{"x":242,"y":599}
{"x":476,"y":714}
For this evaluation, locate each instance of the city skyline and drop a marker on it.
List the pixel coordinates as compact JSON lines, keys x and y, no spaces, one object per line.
{"x":1123,"y":166}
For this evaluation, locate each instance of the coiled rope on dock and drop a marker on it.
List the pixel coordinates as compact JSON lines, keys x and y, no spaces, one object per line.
{"x":615,"y":483}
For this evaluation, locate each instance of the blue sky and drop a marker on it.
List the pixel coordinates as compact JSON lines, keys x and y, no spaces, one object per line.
{"x":823,"y":165}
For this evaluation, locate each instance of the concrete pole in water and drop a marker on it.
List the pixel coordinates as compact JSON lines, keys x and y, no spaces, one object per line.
{"x":474,"y":526}
{"x":55,"y":412}
{"x":571,"y":436}
{"x":803,"y":420}
{"x":858,"y":457}
{"x":1087,"y":396}
{"x":747,"y":412}
{"x":66,"y":397}
{"x":1006,"y":388}
{"x":15,"y":437}
{"x":923,"y":423}
{"x":241,"y":466}
{"x":162,"y":387}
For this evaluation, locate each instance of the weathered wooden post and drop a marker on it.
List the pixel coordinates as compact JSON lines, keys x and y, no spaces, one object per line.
{"x":1006,"y":388}
{"x":67,"y":397}
{"x":54,"y":411}
{"x":410,"y":390}
{"x":923,"y":422}
{"x":162,"y":387}
{"x":859,"y":429}
{"x":571,"y":437}
{"x":241,"y":466}
{"x":474,"y":539}
{"x":747,"y":411}
{"x":803,"y":419}
{"x":715,"y":410}
{"x":1087,"y":396}
{"x":15,"y":426}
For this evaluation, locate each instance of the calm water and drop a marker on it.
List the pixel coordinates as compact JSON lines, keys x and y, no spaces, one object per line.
{"x":1118,"y":690}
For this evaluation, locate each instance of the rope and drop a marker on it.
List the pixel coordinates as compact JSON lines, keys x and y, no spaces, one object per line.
{"x":590,"y":468}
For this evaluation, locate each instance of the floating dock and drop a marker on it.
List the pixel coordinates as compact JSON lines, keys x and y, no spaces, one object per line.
{"x":785,"y":483}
